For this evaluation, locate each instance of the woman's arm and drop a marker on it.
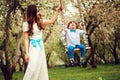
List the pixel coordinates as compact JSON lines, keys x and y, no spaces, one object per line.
{"x":26,"y":45}
{"x":53,"y":19}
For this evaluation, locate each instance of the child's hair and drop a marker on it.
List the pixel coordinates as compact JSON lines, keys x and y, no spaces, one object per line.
{"x":73,"y":22}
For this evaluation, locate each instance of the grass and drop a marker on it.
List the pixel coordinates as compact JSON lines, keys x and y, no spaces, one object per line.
{"x":102,"y":72}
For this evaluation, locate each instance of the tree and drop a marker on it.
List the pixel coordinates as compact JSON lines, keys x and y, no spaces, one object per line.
{"x":11,"y":47}
{"x":101,"y":23}
{"x":7,"y":68}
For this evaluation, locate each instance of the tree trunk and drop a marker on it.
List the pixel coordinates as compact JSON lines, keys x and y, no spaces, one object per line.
{"x":48,"y":58}
{"x":91,"y":56}
{"x":103,"y":57}
{"x":7,"y":68}
{"x":93,"y":63}
{"x":114,"y":50}
{"x":22,"y":56}
{"x":8,"y":72}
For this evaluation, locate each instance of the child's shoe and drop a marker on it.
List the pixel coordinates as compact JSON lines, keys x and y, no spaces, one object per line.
{"x":81,"y":62}
{"x":72,"y":63}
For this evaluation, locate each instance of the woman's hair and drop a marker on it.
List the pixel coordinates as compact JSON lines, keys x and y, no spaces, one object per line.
{"x":33,"y":17}
{"x":73,"y":22}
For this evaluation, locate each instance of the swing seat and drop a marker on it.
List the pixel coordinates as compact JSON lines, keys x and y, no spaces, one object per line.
{"x":77,"y":49}
{"x":76,"y":56}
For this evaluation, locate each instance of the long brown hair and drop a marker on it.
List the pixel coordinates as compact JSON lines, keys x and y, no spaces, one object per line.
{"x":73,"y":22}
{"x":33,"y":17}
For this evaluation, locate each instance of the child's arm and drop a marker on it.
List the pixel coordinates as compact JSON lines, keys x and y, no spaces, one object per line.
{"x":85,"y":36}
{"x":63,"y":22}
{"x":63,"y":37}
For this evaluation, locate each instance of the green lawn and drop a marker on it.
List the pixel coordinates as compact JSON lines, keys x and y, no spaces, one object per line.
{"x":102,"y":72}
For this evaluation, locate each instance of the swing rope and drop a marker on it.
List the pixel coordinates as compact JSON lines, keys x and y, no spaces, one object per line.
{"x":62,"y":16}
{"x":85,"y":36}
{"x":63,"y":37}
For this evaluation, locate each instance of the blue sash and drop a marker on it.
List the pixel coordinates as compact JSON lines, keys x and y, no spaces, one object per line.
{"x":35,"y":42}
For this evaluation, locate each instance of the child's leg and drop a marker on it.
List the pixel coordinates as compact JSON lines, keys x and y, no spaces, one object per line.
{"x":71,"y":55}
{"x":71,"y":52}
{"x":82,"y":49}
{"x":82,"y":54}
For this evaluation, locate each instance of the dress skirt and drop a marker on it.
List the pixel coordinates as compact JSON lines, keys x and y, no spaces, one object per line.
{"x":37,"y":66}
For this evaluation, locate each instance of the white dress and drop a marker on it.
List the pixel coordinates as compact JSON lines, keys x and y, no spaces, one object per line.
{"x":37,"y":67}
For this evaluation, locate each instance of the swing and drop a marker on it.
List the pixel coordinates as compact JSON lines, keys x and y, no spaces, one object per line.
{"x":85,"y":37}
{"x":76,"y":50}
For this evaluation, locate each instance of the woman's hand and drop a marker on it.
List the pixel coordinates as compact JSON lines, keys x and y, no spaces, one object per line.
{"x":60,"y":8}
{"x":26,"y":58}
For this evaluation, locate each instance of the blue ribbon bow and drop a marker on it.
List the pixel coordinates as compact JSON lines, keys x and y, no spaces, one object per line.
{"x":72,"y":30}
{"x":35,"y":42}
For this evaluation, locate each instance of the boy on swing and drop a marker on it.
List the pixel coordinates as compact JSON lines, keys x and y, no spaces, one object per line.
{"x":72,"y":40}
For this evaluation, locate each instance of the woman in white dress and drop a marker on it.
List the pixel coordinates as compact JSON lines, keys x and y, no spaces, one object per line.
{"x":33,"y":42}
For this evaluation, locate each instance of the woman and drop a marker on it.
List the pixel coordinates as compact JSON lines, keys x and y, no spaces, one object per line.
{"x":33,"y":42}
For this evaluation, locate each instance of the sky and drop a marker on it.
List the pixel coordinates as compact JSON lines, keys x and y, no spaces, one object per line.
{"x":72,"y":10}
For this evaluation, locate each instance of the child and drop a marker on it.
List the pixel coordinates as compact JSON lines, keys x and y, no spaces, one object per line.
{"x":72,"y":36}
